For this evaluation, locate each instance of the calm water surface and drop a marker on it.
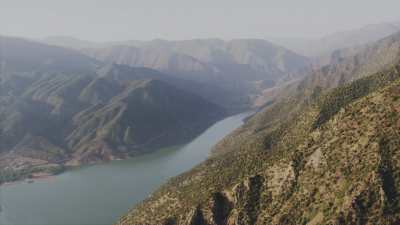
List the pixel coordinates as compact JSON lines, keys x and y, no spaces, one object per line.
{"x":100,"y":194}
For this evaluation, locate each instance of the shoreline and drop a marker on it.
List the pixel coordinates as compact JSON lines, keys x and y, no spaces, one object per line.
{"x":68,"y":167}
{"x":34,"y":178}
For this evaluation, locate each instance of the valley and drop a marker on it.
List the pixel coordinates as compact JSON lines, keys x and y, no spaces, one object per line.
{"x":183,"y":113}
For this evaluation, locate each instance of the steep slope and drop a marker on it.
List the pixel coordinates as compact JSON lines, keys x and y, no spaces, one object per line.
{"x":331,"y":158}
{"x":339,"y":40}
{"x":59,"y":107}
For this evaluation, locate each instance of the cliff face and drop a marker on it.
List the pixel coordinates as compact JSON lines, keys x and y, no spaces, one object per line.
{"x":332,"y":158}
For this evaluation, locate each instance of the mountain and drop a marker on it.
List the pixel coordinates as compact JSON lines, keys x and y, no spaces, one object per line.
{"x":240,"y":67}
{"x":339,"y":40}
{"x":61,"y":108}
{"x":315,"y":156}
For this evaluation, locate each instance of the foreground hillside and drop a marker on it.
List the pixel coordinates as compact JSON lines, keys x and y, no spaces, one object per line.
{"x":60,"y":108}
{"x":330,"y":158}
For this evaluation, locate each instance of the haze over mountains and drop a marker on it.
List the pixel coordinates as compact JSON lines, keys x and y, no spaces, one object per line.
{"x":241,"y":67}
{"x":307,"y":47}
{"x":339,"y":40}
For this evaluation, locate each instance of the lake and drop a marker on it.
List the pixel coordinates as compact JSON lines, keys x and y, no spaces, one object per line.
{"x":100,"y":194}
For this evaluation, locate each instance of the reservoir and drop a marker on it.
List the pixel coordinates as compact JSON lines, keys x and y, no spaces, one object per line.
{"x":100,"y":194}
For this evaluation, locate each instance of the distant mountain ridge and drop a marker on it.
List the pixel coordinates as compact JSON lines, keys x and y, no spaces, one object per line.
{"x":345,"y":65}
{"x":242,"y":66}
{"x":328,"y":44}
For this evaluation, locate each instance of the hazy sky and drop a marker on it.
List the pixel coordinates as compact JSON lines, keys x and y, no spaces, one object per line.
{"x":110,"y":20}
